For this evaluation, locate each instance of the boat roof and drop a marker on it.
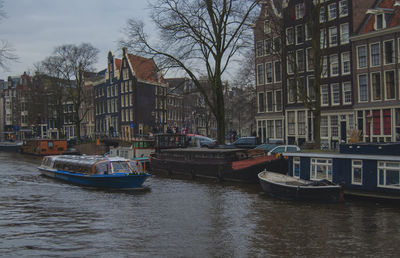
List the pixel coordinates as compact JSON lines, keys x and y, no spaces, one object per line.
{"x":203,"y":150}
{"x":84,"y":159}
{"x":342,"y":156}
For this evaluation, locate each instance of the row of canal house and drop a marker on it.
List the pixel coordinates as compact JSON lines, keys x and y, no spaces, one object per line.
{"x":360,"y":86}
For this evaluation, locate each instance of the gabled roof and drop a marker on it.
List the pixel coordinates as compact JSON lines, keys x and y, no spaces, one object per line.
{"x":144,"y":68}
{"x":118,"y":63}
{"x":383,"y":6}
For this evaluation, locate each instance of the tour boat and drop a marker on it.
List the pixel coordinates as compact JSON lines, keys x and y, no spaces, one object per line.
{"x":95,"y":171}
{"x":291,"y":188}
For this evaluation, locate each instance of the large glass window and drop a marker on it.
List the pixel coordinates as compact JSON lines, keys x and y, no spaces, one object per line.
{"x":270,"y":128}
{"x":299,"y":10}
{"x":278,"y":130}
{"x":375,"y":54}
{"x":363,"y":87}
{"x":301,"y":122}
{"x":389,"y":52}
{"x":324,"y":126}
{"x":324,"y":95}
{"x":356,"y":172}
{"x":291,"y":123}
{"x":268,"y":73}
{"x":344,"y":33}
{"x":296,"y":167}
{"x":324,"y":72}
{"x":334,"y":61}
{"x":389,"y":174}
{"x":260,"y":74}
{"x":289,"y":36}
{"x":376,"y":86}
{"x":333,"y":36}
{"x":278,"y":100}
{"x":278,"y":71}
{"x":300,"y":60}
{"x":269,"y":101}
{"x":321,"y":169}
{"x":299,"y":34}
{"x":259,"y":48}
{"x":261,"y":105}
{"x":362,"y":56}
{"x":346,"y":63}
{"x":343,"y":8}
{"x":389,"y":85}
{"x":335,"y":94}
{"x":334,"y":126}
{"x":332,"y":11}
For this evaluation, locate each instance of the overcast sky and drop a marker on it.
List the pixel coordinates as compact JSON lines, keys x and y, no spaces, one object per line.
{"x":36,"y":27}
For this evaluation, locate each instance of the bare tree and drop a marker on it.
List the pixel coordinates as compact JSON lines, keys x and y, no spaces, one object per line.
{"x":69,"y":63}
{"x":6,"y":49}
{"x":198,"y":37}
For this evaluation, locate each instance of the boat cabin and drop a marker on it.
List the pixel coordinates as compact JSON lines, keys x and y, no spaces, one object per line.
{"x":92,"y":165}
{"x":44,"y":147}
{"x":137,"y":149}
{"x":362,"y":168}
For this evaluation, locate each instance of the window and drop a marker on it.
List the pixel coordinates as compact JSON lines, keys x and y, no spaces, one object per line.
{"x":260,"y":74}
{"x":333,"y":37}
{"x":323,"y":39}
{"x":267,"y":27}
{"x":278,"y":100}
{"x":334,"y":126}
{"x":335,"y":94}
{"x":344,"y":33}
{"x":389,"y":174}
{"x":362,"y":56}
{"x":343,"y":8}
{"x":292,"y":90}
{"x":260,"y":50}
{"x":375,"y":54}
{"x":389,"y":85}
{"x":334,"y":65}
{"x":268,"y":46}
{"x":277,"y":45}
{"x":270,"y":128}
{"x":268,"y":73}
{"x":322,"y":15}
{"x":299,"y":34}
{"x":347,"y":93}
{"x":290,"y":62}
{"x":299,"y":10}
{"x":308,"y":32}
{"x":269,"y":102}
{"x":296,"y":167}
{"x":278,"y":129}
{"x":291,"y":123}
{"x":346,"y":63}
{"x":261,"y":106}
{"x":310,"y":85}
{"x":324,"y":95}
{"x":376,"y":86}
{"x":389,"y":51}
{"x":278,"y":72}
{"x":363,"y":87}
{"x":332,"y":11}
{"x":356,"y":172}
{"x":309,"y":59}
{"x":321,"y":169}
{"x":324,"y":72}
{"x":379,"y":21}
{"x":300,"y":60}
{"x":301,"y":123}
{"x":289,"y":36}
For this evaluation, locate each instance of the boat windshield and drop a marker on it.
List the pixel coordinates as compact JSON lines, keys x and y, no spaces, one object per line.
{"x":120,"y":167}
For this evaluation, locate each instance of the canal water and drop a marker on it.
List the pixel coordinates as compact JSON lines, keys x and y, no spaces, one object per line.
{"x":180,"y":218}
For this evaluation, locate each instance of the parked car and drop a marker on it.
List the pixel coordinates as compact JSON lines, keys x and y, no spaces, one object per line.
{"x":284,"y":148}
{"x":249,"y":142}
{"x":195,"y":140}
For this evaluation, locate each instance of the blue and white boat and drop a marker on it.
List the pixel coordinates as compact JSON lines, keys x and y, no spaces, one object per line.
{"x":366,"y":170}
{"x":95,"y":171}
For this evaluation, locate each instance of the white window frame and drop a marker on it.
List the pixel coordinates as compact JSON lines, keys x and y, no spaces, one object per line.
{"x":299,"y":11}
{"x":329,"y":12}
{"x":344,"y":40}
{"x":323,"y":104}
{"x":384,"y":84}
{"x":325,"y":69}
{"x":370,"y":54}
{"x":344,"y":93}
{"x":258,"y":70}
{"x":300,"y":52}
{"x":356,"y":164}
{"x":267,"y":27}
{"x":331,"y":36}
{"x":366,"y":56}
{"x":280,"y":65}
{"x":334,"y":65}
{"x":296,"y":165}
{"x":267,"y":102}
{"x":383,"y":167}
{"x":272,"y":73}
{"x":337,"y":85}
{"x":296,"y":34}
{"x":287,"y":35}
{"x":341,"y":8}
{"x":327,"y":166}
{"x":343,"y":63}
{"x":384,"y":51}
{"x":278,"y":108}
{"x":367,"y":87}
{"x":372,"y":86}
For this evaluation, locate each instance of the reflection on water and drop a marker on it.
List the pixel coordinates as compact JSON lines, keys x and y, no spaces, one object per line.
{"x":180,"y":218}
